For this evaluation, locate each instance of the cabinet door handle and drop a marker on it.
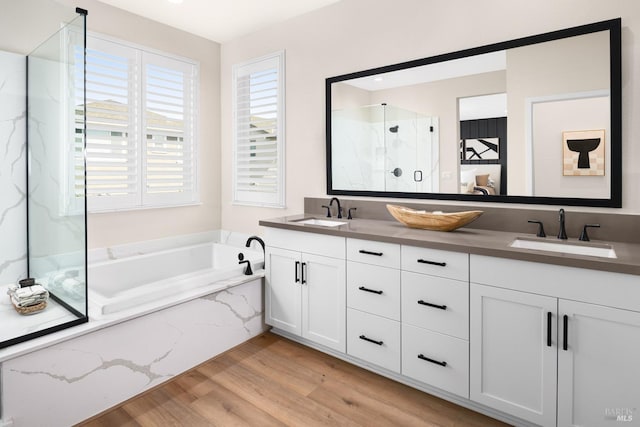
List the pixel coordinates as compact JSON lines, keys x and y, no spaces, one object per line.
{"x":549,"y":328}
{"x":362,"y":288}
{"x":437,"y":362}
{"x":297,"y":266}
{"x":363,"y":337}
{"x":302,"y":269}
{"x":565,"y":327}
{"x":426,"y":261}
{"x":362,"y":251}
{"x":441,"y":307}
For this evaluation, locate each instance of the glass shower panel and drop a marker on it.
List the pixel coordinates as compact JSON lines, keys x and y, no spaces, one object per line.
{"x":384,"y":148}
{"x":427,"y":154}
{"x":56,"y":172}
{"x":358,"y":148}
{"x":412,"y":151}
{"x":401,"y":143}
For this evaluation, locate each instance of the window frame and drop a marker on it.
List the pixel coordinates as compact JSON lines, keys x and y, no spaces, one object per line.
{"x":260,"y":64}
{"x":142,"y":199}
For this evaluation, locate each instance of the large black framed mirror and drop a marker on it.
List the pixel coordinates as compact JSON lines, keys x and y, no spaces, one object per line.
{"x":533,"y":120}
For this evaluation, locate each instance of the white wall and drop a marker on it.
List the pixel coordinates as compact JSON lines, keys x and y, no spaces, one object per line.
{"x":25,"y":24}
{"x":354,"y":35}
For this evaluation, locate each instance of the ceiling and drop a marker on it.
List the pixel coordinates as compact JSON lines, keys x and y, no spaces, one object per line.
{"x":219,"y":20}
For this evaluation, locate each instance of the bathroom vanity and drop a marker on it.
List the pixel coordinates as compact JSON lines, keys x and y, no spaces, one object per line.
{"x":527,"y":336}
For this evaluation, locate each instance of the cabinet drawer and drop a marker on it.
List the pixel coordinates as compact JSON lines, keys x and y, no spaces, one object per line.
{"x":454,"y":265}
{"x":374,"y":339}
{"x":436,"y":303}
{"x":374,"y":289}
{"x":310,"y":243}
{"x":377,"y":253}
{"x":435,"y":359}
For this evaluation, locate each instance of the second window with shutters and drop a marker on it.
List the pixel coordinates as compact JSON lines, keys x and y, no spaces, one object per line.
{"x":258,"y":143}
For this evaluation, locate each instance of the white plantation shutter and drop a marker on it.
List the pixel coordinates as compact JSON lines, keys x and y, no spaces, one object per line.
{"x":141,"y":149}
{"x":112,"y":135}
{"x":258,"y":168}
{"x":168,"y":155}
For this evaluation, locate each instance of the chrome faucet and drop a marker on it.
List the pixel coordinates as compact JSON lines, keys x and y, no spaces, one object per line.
{"x":562,"y":233}
{"x":257,"y":239}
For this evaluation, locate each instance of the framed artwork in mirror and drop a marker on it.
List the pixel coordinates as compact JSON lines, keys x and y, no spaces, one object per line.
{"x":583,"y":153}
{"x":480,"y":149}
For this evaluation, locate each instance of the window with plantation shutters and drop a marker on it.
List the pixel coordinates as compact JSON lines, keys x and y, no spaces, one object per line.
{"x":168,"y":156}
{"x":258,"y":96}
{"x":141,"y":118}
{"x":112,"y":134}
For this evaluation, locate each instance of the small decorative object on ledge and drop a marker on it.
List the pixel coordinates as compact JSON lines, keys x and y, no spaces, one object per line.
{"x":438,"y":221}
{"x":28,"y":298}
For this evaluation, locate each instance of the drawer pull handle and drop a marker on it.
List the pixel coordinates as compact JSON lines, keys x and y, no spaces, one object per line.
{"x":426,"y":261}
{"x":362,"y":337}
{"x":297,"y":269}
{"x":362,"y":288}
{"x":423,"y":357}
{"x":441,"y":307}
{"x":362,"y":251}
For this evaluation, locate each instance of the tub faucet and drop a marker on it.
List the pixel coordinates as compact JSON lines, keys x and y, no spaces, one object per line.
{"x":241,"y":260}
{"x":562,"y":233}
{"x":335,"y":199}
{"x":257,"y":239}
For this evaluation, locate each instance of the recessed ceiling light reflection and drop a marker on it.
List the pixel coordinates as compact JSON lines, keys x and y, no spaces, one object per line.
{"x":377,"y":79}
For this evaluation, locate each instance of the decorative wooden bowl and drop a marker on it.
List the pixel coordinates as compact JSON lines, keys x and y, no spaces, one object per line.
{"x":438,"y":221}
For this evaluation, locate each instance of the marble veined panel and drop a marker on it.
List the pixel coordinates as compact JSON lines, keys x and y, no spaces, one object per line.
{"x":13,"y":222}
{"x":77,"y":379}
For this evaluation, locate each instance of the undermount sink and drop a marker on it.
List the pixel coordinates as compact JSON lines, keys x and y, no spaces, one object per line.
{"x":320,"y":222}
{"x":589,"y":249}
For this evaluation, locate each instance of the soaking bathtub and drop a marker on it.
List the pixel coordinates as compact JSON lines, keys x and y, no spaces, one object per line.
{"x":121,"y":284}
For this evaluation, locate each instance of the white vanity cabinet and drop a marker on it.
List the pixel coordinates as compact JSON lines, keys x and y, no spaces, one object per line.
{"x":544,"y":347}
{"x":373,"y":301}
{"x":305,"y":286}
{"x":530,"y":342}
{"x":435,"y":318}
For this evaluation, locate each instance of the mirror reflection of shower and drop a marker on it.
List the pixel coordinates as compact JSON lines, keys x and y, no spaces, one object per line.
{"x":383,"y":147}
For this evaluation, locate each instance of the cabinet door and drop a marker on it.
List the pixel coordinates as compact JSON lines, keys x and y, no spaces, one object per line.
{"x":283,"y":290}
{"x":598,"y":374}
{"x":512,"y":367}
{"x":324,"y":301}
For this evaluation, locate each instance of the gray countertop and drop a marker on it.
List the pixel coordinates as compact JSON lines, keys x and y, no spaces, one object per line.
{"x":468,"y":240}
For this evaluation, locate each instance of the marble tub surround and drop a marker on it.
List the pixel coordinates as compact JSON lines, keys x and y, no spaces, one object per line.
{"x":158,"y":346}
{"x":474,"y":240}
{"x":98,"y":321}
{"x":116,"y":356}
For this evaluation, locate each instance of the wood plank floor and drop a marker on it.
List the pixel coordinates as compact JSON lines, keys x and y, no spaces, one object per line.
{"x":272,"y":381}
